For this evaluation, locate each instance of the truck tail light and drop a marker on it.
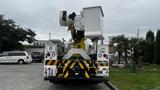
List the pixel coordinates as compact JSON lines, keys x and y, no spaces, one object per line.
{"x":105,"y":56}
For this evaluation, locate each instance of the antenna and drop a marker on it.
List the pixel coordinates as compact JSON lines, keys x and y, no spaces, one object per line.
{"x":49,"y":36}
{"x":138,"y":33}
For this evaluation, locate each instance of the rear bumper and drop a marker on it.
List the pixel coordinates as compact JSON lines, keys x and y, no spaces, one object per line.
{"x":83,"y":79}
{"x":28,"y":61}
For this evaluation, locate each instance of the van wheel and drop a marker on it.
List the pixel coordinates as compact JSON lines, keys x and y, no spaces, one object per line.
{"x":21,"y":61}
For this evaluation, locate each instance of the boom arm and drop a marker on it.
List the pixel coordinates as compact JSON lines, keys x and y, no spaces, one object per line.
{"x":77,"y":35}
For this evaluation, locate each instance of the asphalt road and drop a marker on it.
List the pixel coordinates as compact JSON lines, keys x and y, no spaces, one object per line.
{"x":30,"y":77}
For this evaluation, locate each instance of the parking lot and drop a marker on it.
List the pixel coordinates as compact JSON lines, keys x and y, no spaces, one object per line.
{"x":30,"y":77}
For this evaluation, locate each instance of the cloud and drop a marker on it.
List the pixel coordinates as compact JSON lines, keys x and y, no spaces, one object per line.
{"x":121,"y":16}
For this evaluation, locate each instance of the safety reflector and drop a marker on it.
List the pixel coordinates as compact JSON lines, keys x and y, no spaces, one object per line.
{"x":99,"y":55}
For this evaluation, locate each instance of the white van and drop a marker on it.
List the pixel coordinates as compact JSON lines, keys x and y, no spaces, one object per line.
{"x":20,"y":57}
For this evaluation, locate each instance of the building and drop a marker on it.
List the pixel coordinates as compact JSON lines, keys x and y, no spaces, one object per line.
{"x":39,"y":45}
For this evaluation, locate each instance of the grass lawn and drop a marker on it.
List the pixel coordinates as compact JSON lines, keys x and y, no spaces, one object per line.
{"x":123,"y":79}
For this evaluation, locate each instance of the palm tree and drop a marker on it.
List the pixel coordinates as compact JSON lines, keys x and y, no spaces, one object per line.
{"x":122,"y":46}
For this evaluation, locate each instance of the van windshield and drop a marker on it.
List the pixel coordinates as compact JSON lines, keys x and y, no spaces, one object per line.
{"x":3,"y":54}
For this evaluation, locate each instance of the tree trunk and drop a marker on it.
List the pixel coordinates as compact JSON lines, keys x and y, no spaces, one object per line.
{"x":125,"y":58}
{"x":119,"y":57}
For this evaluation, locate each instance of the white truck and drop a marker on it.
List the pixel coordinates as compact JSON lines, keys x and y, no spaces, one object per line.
{"x":76,"y":63}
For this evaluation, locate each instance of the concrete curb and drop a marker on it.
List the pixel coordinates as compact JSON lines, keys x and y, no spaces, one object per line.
{"x":110,"y":85}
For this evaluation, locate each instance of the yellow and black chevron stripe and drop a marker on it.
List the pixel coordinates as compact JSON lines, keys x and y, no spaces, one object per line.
{"x":101,"y":64}
{"x":70,"y":64}
{"x":55,"y":62}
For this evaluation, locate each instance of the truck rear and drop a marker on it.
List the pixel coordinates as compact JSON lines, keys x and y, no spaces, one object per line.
{"x":76,"y":68}
{"x":77,"y":63}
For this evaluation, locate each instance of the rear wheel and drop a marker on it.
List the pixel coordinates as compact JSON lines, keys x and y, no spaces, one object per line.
{"x":21,"y":61}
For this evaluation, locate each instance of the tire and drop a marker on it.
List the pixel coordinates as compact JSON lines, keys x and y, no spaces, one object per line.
{"x":21,"y":61}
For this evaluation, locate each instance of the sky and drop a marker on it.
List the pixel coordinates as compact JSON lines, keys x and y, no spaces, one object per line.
{"x":120,"y":16}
